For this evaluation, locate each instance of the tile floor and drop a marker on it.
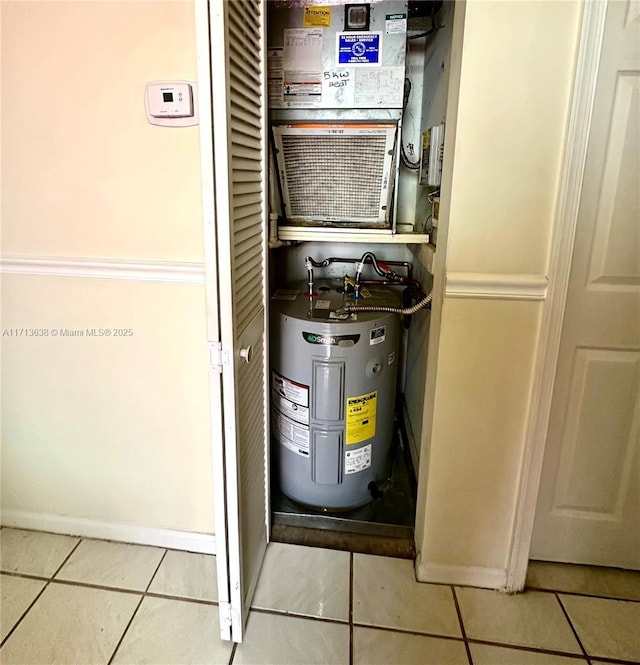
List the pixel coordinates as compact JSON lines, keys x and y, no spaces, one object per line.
{"x":78,"y":601}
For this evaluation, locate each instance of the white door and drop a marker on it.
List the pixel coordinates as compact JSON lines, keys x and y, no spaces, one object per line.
{"x":589,"y":502}
{"x":232,"y":124}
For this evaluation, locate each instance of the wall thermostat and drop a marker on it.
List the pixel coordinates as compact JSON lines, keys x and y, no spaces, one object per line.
{"x":171,"y":103}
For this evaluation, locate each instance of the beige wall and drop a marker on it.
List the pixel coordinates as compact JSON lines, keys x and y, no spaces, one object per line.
{"x":114,"y":430}
{"x":85,"y":174}
{"x":484,"y":378}
{"x":516,"y":78}
{"x":108,"y":428}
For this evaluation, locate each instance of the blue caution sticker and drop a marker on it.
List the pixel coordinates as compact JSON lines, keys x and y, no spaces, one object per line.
{"x":358,"y":48}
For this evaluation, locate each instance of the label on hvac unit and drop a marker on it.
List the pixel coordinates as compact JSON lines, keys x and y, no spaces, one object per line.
{"x":358,"y":49}
{"x":357,"y":460}
{"x":316,"y":17}
{"x":377,"y":335}
{"x":395,"y":23}
{"x":302,"y":85}
{"x":361,"y":417}
{"x":275,"y":75}
{"x":379,"y":87}
{"x":290,"y":434}
{"x":303,"y":49}
{"x":294,"y":392}
{"x":322,"y":304}
{"x":290,"y":409}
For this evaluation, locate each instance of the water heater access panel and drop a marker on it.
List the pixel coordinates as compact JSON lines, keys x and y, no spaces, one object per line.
{"x":336,"y":56}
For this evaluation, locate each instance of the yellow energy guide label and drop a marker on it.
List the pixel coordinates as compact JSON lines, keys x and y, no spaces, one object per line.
{"x":361,"y":417}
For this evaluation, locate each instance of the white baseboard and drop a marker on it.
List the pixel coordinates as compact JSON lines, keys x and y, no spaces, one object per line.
{"x":477,"y":576}
{"x":190,"y":541}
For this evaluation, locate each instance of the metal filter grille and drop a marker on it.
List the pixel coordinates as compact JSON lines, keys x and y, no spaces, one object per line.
{"x":335,"y":177}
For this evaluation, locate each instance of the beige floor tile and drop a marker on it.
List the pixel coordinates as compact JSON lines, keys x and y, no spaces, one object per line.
{"x":590,"y":580}
{"x":112,"y":564}
{"x":531,"y":619}
{"x":173,"y":632}
{"x":607,"y":628}
{"x":70,"y":625}
{"x":187,"y":575}
{"x":273,"y":639}
{"x":483,"y":654}
{"x":33,"y":552}
{"x":17,"y":594}
{"x":386,"y":594}
{"x":382,"y":647}
{"x":304,"y":580}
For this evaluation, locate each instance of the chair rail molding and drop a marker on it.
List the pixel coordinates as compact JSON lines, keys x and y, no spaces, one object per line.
{"x":98,"y":268}
{"x":495,"y":286}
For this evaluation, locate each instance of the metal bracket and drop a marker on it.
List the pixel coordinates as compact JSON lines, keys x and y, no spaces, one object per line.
{"x":218,"y":357}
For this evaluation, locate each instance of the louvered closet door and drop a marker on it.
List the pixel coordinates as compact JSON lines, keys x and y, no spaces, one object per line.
{"x":237,"y":46}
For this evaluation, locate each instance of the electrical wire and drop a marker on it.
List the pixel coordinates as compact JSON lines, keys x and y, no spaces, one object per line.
{"x":428,"y":33}
{"x":406,"y":311}
{"x":404,"y":158}
{"x":412,"y":166}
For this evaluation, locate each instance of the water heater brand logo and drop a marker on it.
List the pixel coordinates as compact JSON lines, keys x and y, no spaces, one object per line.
{"x":331,"y":340}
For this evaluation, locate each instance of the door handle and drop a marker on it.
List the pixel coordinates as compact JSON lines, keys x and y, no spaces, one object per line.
{"x":245,"y":354}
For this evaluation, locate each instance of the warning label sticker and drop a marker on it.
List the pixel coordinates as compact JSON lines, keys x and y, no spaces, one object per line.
{"x":361,"y":417}
{"x":303,"y":86}
{"x":290,"y":434}
{"x":395,"y":23}
{"x":290,"y":409}
{"x":317,"y":17}
{"x":357,"y":460}
{"x":275,"y":75}
{"x":294,"y":392}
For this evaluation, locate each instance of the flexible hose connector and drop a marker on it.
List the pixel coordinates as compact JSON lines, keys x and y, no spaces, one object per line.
{"x":406,"y":311}
{"x":308,"y":264}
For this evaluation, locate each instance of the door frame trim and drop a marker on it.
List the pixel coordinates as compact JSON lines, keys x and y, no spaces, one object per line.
{"x":587,"y":63}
